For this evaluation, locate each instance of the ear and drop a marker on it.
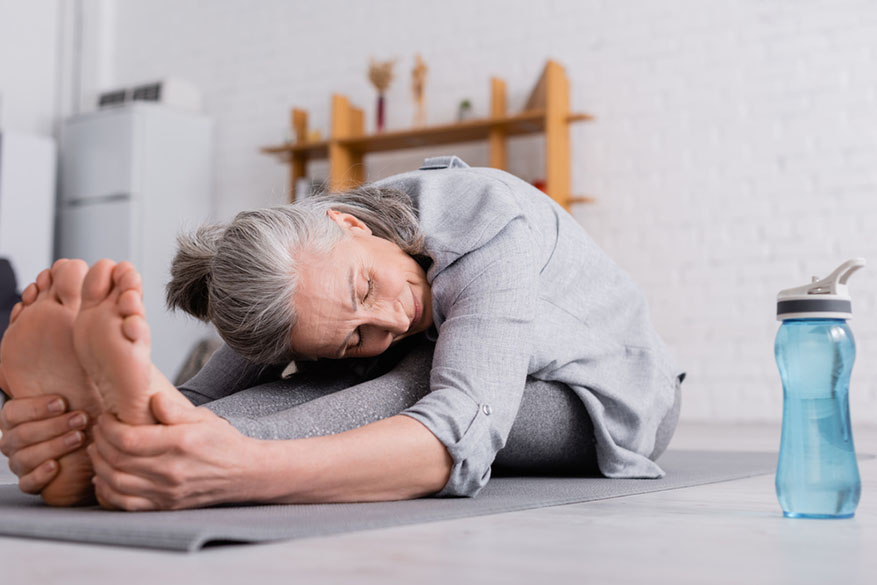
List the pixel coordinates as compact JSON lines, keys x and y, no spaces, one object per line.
{"x":348,"y":223}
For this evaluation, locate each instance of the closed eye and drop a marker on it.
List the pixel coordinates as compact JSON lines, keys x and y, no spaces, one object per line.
{"x":358,"y":344}
{"x":371,"y":286}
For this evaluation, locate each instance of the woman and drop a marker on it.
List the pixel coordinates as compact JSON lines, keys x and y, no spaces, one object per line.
{"x":445,"y":321}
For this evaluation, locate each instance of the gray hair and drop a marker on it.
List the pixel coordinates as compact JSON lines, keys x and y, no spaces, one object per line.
{"x":242,"y":276}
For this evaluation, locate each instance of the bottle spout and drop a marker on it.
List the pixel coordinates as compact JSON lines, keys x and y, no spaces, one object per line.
{"x":836,"y":282}
{"x":845,"y":270}
{"x":824,"y":298}
{"x":833,"y":284}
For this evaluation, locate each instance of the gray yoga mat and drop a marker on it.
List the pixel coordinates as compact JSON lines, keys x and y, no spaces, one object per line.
{"x":190,"y":530}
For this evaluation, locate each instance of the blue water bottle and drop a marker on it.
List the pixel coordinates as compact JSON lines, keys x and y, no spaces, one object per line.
{"x":817,"y":473}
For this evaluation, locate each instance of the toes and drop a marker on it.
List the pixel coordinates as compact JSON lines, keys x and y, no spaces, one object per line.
{"x":135,"y":328}
{"x":44,"y":281}
{"x":97,"y":283}
{"x":16,"y":311}
{"x":130,"y":303}
{"x":67,"y":281}
{"x":30,"y":294}
{"x":126,"y":277}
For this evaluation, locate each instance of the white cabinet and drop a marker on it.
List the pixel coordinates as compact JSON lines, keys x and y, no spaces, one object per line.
{"x":131,"y":178}
{"x":27,"y":203}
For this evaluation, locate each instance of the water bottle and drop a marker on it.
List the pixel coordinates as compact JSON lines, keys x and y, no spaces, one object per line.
{"x":817,"y":474}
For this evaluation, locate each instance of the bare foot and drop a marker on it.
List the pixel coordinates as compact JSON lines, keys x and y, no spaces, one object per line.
{"x":31,"y":292}
{"x":39,"y":358}
{"x":113,"y":343}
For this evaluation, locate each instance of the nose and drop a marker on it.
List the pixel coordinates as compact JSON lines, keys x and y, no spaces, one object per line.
{"x":392,"y":318}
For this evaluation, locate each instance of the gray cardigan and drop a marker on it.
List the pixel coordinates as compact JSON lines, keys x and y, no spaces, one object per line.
{"x":518,"y":290}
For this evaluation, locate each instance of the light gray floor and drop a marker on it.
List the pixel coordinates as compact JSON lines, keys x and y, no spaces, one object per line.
{"x":729,"y":532}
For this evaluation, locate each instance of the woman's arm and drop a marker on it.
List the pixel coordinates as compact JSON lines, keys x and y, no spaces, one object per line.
{"x":482,"y":354}
{"x":197,"y":459}
{"x":396,"y":458}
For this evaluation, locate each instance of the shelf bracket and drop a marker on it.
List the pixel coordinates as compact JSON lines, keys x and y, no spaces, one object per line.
{"x":496,"y":137}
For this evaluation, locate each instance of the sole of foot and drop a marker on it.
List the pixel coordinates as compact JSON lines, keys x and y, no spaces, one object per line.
{"x":113,"y":343}
{"x":39,"y":358}
{"x":112,"y":340}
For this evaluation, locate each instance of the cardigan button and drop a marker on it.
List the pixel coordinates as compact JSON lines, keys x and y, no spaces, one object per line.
{"x":485,"y":408}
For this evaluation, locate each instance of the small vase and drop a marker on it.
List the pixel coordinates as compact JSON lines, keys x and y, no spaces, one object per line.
{"x":380,"y":113}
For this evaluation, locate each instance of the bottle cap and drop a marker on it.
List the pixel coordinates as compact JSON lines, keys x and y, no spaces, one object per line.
{"x":826,"y":298}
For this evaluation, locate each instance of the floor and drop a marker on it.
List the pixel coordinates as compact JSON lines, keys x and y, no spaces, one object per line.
{"x":730,"y":532}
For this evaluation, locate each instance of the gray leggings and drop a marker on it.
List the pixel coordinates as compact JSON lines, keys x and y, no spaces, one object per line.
{"x":551,"y":434}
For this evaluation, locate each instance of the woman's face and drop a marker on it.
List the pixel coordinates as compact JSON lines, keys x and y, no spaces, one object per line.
{"x":360,"y":298}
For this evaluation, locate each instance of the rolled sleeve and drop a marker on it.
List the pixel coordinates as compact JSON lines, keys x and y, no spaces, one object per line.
{"x":463,"y":427}
{"x":482,"y":354}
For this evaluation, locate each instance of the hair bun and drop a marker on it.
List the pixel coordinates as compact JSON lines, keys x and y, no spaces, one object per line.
{"x":191,"y":269}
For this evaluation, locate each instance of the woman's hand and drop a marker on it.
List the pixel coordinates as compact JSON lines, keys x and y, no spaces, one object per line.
{"x":36,"y":432}
{"x":193,"y":459}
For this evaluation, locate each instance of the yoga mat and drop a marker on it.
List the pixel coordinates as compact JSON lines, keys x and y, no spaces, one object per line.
{"x":190,"y":530}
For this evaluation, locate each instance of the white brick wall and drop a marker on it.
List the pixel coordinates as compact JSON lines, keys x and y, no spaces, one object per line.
{"x":27,"y":86}
{"x":733,"y":153}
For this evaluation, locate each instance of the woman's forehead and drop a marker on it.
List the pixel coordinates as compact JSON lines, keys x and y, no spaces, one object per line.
{"x":324,"y":299}
{"x":326,"y":279}
{"x":321,"y":327}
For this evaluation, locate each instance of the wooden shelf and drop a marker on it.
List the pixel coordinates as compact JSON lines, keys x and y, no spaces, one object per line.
{"x":468,"y":131}
{"x":547,"y":113}
{"x":314,"y":150}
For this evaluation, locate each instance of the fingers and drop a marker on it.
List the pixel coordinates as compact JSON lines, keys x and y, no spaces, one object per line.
{"x":39,"y":431}
{"x":173,"y":408}
{"x":22,"y":410}
{"x":118,"y":480}
{"x":26,"y":460}
{"x":101,"y":500}
{"x":113,"y":500}
{"x":103,"y":451}
{"x":121,"y":460}
{"x":35,"y":481}
{"x":133,"y":483}
{"x":116,"y":489}
{"x":134,"y":440}
{"x":150,"y":471}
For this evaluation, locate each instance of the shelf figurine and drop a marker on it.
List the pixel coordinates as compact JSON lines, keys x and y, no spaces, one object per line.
{"x":464,"y":110}
{"x":418,"y":82}
{"x":380,"y":73}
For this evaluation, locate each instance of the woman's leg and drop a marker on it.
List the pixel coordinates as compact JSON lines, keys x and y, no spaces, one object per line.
{"x":280,"y":395}
{"x":313,"y":404}
{"x":551,"y":434}
{"x":229,"y":385}
{"x":225,"y":373}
